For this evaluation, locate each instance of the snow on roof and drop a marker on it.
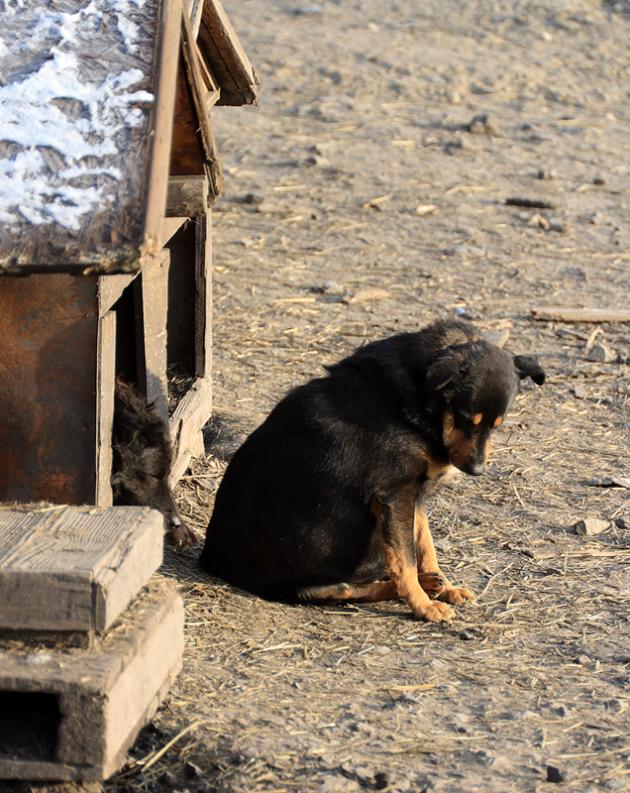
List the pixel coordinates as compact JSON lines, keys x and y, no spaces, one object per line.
{"x":76,"y":82}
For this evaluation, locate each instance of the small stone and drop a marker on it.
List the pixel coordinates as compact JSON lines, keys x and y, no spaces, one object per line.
{"x":367,"y":295}
{"x":590,"y":527}
{"x":623,"y":523}
{"x":583,"y":660}
{"x":466,"y":636}
{"x":555,"y":774}
{"x":601,"y":353}
{"x":599,"y":180}
{"x":481,"y":124}
{"x":426,"y":209}
{"x":579,"y":392}
{"x":539,"y":221}
{"x":545,"y":173}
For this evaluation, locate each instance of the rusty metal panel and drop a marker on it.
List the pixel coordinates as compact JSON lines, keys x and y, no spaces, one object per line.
{"x":48,"y":360}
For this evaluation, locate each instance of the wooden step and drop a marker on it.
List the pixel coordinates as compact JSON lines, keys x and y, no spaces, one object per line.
{"x":74,"y":568}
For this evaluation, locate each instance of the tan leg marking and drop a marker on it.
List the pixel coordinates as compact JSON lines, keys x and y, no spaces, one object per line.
{"x":374,"y":592}
{"x":428,"y":563}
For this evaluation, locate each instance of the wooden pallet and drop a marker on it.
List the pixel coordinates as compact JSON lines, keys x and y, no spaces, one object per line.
{"x":71,"y":714}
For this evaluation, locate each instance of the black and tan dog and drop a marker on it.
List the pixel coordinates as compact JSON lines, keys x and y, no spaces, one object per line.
{"x":324,"y":501}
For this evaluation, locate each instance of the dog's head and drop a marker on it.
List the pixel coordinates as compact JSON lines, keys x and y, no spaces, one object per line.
{"x":472,"y":386}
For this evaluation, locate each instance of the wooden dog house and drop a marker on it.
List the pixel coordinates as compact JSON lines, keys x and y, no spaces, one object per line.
{"x":108,"y":170}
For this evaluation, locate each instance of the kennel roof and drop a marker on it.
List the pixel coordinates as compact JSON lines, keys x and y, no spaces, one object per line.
{"x":87,"y":99}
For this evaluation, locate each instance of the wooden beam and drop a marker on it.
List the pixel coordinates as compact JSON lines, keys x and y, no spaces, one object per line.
{"x":199,"y":92}
{"x":167,"y":60}
{"x":155,"y":311}
{"x":225,"y":56}
{"x":203,"y":303}
{"x":105,"y":378}
{"x":194,"y":8}
{"x":186,"y":423}
{"x":187,"y":196}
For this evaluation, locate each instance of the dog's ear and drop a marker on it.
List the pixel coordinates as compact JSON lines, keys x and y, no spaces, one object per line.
{"x":443,"y":372}
{"x":528,"y":366}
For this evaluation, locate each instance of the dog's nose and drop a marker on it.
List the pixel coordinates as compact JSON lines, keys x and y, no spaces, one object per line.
{"x":474,"y":468}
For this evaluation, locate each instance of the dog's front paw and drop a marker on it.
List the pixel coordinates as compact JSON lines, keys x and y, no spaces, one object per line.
{"x":179,"y":535}
{"x":437,"y":612}
{"x":456,"y":595}
{"x":432,"y":583}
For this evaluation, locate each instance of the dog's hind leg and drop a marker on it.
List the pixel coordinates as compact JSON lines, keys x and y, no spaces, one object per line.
{"x":428,"y":563}
{"x":377,"y":590}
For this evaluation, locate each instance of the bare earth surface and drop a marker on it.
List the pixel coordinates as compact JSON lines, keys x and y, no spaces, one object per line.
{"x":361,"y":201}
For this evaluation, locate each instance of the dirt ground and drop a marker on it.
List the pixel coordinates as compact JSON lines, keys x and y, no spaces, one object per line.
{"x":364,"y":198}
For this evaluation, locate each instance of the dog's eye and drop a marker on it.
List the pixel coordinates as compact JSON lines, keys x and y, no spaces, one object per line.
{"x":498,"y":421}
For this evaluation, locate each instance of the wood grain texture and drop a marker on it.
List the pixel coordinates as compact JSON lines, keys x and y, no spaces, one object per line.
{"x":105,"y":693}
{"x":74,"y":568}
{"x":105,"y":380}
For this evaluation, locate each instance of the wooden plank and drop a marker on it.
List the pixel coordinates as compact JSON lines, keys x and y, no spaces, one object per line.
{"x":187,"y":196}
{"x":212,"y":84}
{"x":225,"y":56}
{"x":186,"y":423}
{"x":105,"y":379}
{"x":187,"y":153}
{"x":170,"y":227}
{"x":199,"y":95}
{"x":162,"y":129}
{"x":74,"y":568}
{"x":155,"y":313}
{"x":571,"y":314}
{"x":194,"y":8}
{"x":182,"y":300}
{"x":110,"y":288}
{"x":48,"y":362}
{"x":105,"y":694}
{"x":203,"y":302}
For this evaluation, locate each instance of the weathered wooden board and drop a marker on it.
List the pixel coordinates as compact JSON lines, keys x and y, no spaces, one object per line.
{"x":74,"y":568}
{"x":172,"y":12}
{"x":203,"y":303}
{"x":187,"y":196}
{"x":155,"y":310}
{"x":95,"y":700}
{"x":75,"y":171}
{"x":105,"y":383}
{"x":225,"y":56}
{"x":192,"y":412}
{"x":48,"y":353}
